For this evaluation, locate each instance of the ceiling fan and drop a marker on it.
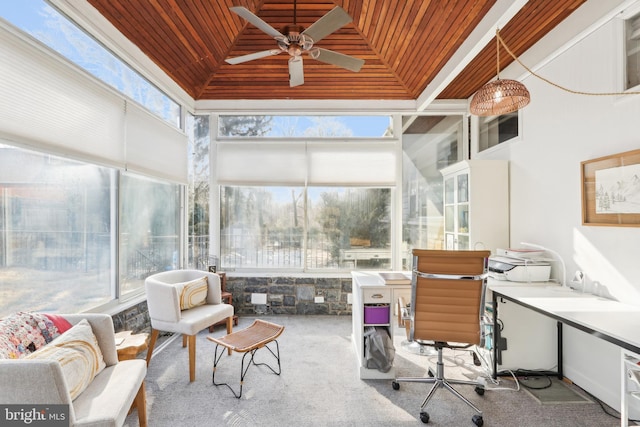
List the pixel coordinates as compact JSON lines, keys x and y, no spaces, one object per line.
{"x":295,"y":39}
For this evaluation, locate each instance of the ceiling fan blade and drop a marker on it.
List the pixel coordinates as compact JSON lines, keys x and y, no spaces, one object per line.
{"x":252,"y":56}
{"x":257,"y":22}
{"x":296,"y":71}
{"x":334,"y":19}
{"x":339,"y":59}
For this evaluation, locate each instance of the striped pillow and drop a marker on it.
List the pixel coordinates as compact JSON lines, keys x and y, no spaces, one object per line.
{"x":193,"y":293}
{"x":79,"y":355}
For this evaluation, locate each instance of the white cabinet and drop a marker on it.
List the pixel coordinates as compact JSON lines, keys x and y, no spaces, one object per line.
{"x":369,"y":290}
{"x":476,"y":205}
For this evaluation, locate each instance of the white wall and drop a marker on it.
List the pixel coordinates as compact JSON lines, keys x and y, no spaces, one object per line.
{"x":559,"y":131}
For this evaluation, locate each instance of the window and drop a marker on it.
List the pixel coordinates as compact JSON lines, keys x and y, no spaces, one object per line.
{"x":304,"y":228}
{"x":198,"y":193}
{"x":312,"y":198}
{"x":632,"y":46}
{"x":429,"y":143}
{"x":305,"y":126}
{"x":149,"y":230}
{"x":497,"y":129}
{"x":56,"y":224}
{"x":57,"y":232}
{"x":38,"y":19}
{"x":349,"y":228}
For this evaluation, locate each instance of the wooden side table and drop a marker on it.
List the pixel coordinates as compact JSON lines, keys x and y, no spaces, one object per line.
{"x":131,"y":345}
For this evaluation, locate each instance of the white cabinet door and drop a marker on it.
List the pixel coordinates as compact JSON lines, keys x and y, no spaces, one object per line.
{"x":476,"y":205}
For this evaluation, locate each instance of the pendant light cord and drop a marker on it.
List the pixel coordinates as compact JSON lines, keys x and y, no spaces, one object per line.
{"x":498,"y":54}
{"x":576,"y":92}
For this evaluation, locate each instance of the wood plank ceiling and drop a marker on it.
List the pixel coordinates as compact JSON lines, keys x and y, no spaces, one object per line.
{"x":404,"y":43}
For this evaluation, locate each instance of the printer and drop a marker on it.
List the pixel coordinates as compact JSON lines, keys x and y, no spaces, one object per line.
{"x":519,"y":269}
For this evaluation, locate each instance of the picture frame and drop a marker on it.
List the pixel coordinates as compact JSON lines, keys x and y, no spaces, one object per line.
{"x":611,"y":190}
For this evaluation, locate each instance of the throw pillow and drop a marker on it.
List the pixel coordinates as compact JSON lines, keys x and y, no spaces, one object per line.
{"x":59,"y":322}
{"x":79,"y":355}
{"x":193,"y":293}
{"x":22,"y":333}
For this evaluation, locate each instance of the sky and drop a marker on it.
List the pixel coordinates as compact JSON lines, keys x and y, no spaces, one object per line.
{"x":330,"y":126}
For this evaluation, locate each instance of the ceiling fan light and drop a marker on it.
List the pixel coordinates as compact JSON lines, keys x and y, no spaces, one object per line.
{"x":499,"y":97}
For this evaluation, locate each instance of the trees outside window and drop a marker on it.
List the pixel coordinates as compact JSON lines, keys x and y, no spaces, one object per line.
{"x":304,"y":228}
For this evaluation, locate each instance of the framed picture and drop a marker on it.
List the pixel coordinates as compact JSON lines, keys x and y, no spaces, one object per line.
{"x":611,"y":190}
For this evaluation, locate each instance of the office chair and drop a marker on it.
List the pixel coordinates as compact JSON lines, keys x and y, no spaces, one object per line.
{"x":447,"y":304}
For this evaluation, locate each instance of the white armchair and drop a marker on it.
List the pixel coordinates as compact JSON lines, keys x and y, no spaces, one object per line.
{"x":163,"y":301}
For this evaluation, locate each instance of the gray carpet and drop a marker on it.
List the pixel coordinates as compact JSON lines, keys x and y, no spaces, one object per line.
{"x":319,"y":386}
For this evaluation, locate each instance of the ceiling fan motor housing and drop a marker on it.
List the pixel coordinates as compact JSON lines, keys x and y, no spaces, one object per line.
{"x":295,"y":42}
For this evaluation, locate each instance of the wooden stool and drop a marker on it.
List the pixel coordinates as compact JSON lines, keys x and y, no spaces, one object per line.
{"x":258,"y":335}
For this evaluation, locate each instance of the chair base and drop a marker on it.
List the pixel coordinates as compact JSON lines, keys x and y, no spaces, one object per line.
{"x":439,"y":381}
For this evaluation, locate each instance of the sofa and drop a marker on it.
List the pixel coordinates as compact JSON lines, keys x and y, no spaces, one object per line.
{"x":78,"y":367}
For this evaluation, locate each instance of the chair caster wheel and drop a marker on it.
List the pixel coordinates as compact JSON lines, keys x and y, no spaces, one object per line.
{"x":477,"y":420}
{"x":424,"y":417}
{"x":395,"y":385}
{"x":480,"y":390}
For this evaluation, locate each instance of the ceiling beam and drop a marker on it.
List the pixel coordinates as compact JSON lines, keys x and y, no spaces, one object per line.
{"x":300,"y":106}
{"x":499,"y":15}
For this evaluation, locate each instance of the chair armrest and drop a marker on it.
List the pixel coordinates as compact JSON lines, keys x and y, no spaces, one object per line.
{"x":33,"y":382}
{"x":162,"y":301}
{"x":214,"y":292}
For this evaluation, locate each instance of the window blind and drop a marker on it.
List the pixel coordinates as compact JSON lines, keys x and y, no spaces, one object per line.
{"x":51,"y":104}
{"x":153,"y":146}
{"x":315,"y":163}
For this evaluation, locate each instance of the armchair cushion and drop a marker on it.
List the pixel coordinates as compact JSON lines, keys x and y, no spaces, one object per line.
{"x":193,"y":293}
{"x":79,"y":356}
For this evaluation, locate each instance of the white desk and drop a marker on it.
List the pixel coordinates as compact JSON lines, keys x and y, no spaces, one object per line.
{"x":612,"y":321}
{"x":369,"y":288}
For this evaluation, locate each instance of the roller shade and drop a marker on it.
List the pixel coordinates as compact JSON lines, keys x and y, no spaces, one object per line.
{"x":154,"y":147}
{"x":240,"y":163}
{"x":315,"y":163}
{"x":50,"y":104}
{"x":47,"y":103}
{"x":357,"y":163}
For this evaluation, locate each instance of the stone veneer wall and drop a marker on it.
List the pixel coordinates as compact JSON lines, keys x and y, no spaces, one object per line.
{"x":291,"y":294}
{"x":285,"y":295}
{"x":134,"y":319}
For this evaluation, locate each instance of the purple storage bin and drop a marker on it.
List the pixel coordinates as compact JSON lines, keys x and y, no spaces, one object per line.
{"x":376,"y":314}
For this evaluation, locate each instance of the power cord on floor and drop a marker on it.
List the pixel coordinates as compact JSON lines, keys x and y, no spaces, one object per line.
{"x":548,"y":375}
{"x":603,"y":406}
{"x":526,"y":382}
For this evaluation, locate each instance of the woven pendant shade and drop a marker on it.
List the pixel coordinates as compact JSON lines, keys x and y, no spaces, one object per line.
{"x":499,"y":97}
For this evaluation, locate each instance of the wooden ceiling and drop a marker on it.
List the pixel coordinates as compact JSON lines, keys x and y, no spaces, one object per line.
{"x":405,"y":44}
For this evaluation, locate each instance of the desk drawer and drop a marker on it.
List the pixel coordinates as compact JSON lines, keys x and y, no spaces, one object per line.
{"x":376,"y":296}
